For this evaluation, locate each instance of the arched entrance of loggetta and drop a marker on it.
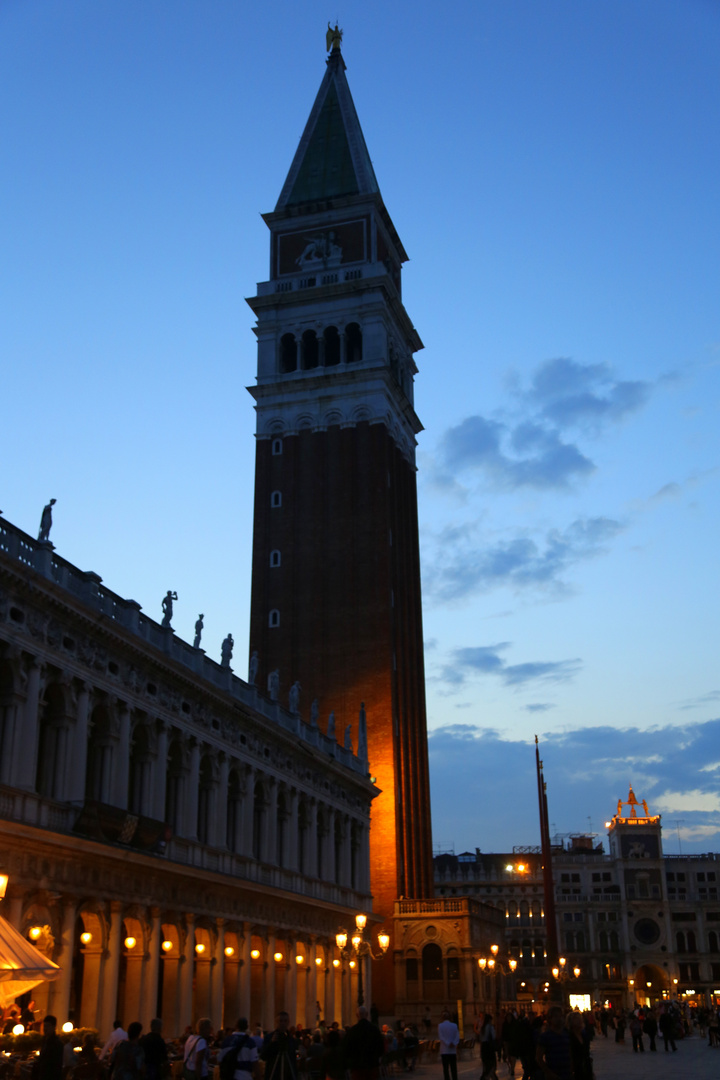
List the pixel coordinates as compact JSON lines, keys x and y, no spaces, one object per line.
{"x":651,"y":984}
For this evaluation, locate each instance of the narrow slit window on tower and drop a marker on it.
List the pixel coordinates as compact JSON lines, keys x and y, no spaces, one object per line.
{"x":277,"y":447}
{"x":310,"y":350}
{"x":275,"y":558}
{"x":276,"y":498}
{"x":353,"y":343}
{"x":332,"y":346}
{"x":288,"y":354}
{"x":274,"y":618}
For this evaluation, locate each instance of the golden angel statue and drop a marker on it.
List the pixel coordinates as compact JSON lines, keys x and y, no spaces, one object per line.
{"x":333,"y":38}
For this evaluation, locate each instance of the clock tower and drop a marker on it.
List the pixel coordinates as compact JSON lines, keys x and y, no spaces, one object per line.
{"x":336,"y":604}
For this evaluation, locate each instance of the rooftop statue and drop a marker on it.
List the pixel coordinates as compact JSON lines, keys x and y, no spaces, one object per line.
{"x":333,"y":38}
{"x":253,"y":668}
{"x":167,"y":606}
{"x":314,"y":713}
{"x":46,"y":522}
{"x":226,"y":651}
{"x":331,"y":725}
{"x":274,"y":684}
{"x":198,"y":631}
{"x":294,"y":697}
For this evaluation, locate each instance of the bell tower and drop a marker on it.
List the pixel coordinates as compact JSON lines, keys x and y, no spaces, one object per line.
{"x":336,"y":602}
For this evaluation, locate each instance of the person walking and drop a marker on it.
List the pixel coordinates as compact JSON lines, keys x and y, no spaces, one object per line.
{"x":637,"y":1033}
{"x":488,"y":1053}
{"x":363,"y":1046}
{"x":48,"y":1065}
{"x":128,"y":1057}
{"x":667,"y":1029}
{"x":553,"y":1047}
{"x":449,"y":1037}
{"x":650,"y":1027}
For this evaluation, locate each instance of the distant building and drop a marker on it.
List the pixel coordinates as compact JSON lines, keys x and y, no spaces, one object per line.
{"x":640,"y":925}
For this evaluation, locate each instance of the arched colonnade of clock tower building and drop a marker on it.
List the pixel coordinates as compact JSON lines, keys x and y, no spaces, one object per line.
{"x":336,"y":602}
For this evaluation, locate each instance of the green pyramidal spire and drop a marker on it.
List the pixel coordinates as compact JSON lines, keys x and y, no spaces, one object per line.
{"x":332,"y":159}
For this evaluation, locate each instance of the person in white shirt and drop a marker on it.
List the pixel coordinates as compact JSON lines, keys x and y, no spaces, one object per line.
{"x":449,"y":1038}
{"x":118,"y":1035}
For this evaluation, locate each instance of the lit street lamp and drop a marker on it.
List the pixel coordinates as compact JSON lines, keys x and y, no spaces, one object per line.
{"x":495,"y":966}
{"x":561,"y":973}
{"x":361,"y":948}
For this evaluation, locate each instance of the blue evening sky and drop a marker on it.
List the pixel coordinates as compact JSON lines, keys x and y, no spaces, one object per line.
{"x":553,"y":170}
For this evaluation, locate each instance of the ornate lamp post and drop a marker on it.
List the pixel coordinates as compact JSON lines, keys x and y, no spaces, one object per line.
{"x":561,"y":973}
{"x":360,"y":947}
{"x":495,"y":967}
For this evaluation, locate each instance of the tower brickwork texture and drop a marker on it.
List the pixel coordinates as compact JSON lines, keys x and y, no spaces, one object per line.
{"x":336,"y":602}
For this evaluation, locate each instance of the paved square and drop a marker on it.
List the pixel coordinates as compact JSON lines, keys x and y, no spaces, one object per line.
{"x":616,"y":1061}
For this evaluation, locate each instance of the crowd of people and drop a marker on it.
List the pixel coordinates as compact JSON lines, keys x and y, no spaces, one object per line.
{"x":531,"y":1046}
{"x":558,"y":1042}
{"x":326,"y":1052}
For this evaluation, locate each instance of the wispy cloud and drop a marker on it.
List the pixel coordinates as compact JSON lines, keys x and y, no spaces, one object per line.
{"x":463,"y":562}
{"x":700,"y":702}
{"x":527,"y":456}
{"x":486,"y":660}
{"x":573,"y":395}
{"x":525,"y":445}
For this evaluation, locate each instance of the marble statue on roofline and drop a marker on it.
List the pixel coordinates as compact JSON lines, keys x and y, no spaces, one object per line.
{"x":294,"y":697}
{"x":348,"y":737}
{"x":314,"y":713}
{"x":331,"y":726}
{"x":253,"y":668}
{"x":226,"y":651}
{"x":274,"y":684}
{"x":46,"y":522}
{"x":198,"y":631}
{"x":167,"y":606}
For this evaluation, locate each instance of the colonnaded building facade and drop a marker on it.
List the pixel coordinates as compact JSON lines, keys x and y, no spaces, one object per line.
{"x":179,"y":843}
{"x":639,"y":925}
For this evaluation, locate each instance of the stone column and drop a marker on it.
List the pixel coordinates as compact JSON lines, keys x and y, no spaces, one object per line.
{"x":217,"y":977}
{"x":311,"y":839}
{"x":329,"y":1003}
{"x":152,"y":972}
{"x":345,"y":876}
{"x":10,"y":712}
{"x":248,"y":802}
{"x":160,"y":771}
{"x":364,"y":861}
{"x":186,"y":975}
{"x":218,"y":822}
{"x":269,"y":847}
{"x":26,"y":748}
{"x":191,"y":792}
{"x":291,"y":832}
{"x":329,"y":842}
{"x":121,"y":762}
{"x":78,"y":765}
{"x":291,"y":981}
{"x":60,"y":988}
{"x":245,"y":975}
{"x":268,"y":1016}
{"x":111,"y":969}
{"x":311,"y":986}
